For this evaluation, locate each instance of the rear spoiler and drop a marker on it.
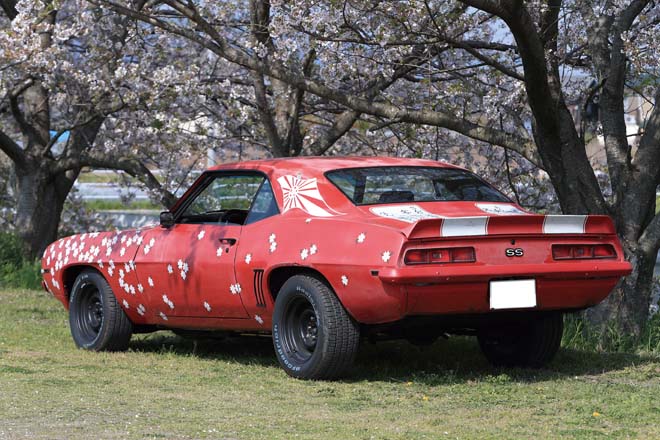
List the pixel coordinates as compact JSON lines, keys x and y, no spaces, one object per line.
{"x":515,"y":225}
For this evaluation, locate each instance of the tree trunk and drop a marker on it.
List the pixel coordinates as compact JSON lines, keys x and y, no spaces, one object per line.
{"x":627,"y":307}
{"x":40,"y":201}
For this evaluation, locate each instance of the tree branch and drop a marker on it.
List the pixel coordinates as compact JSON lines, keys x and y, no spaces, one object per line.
{"x":627,"y":17}
{"x":294,"y":138}
{"x":9,"y":6}
{"x":218,"y":45}
{"x":650,"y":238}
{"x":12,"y":150}
{"x":131,"y":166}
{"x":471,"y":50}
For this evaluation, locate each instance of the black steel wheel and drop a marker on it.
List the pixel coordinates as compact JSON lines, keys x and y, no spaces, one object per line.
{"x":314,"y":336}
{"x":532,"y":341}
{"x":96,"y":320}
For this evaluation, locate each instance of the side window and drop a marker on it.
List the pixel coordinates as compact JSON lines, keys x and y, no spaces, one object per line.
{"x":225,"y":199}
{"x":264,"y":204}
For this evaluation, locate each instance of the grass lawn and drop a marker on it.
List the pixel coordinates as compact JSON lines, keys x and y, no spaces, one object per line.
{"x":167,"y":387}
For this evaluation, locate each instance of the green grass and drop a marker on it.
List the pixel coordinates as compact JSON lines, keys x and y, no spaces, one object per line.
{"x":167,"y":387}
{"x":106,"y":205}
{"x":16,"y":270}
{"x":25,"y":275}
{"x":90,"y":176}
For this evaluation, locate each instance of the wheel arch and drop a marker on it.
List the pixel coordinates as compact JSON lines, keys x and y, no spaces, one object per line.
{"x":278,"y":276}
{"x":70,"y":274}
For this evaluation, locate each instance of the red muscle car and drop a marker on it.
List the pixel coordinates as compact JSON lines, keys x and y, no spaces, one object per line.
{"x":323,"y":251}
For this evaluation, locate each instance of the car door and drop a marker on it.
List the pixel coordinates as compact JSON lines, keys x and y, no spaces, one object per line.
{"x":187,"y":270}
{"x":256,"y":249}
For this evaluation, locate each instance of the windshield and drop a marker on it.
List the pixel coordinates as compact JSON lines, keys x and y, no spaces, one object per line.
{"x":370,"y":186}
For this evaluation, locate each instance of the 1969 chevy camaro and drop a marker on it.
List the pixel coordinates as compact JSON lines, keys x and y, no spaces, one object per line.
{"x":323,"y":251}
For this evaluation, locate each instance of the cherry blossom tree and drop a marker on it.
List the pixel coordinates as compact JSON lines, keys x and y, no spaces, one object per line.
{"x":79,"y":89}
{"x":504,"y":72}
{"x":491,"y":84}
{"x":83,"y":87}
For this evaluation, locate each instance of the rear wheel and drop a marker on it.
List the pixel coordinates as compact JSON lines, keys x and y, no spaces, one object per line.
{"x":97,"y":321}
{"x":531,"y":342}
{"x":313,"y":335}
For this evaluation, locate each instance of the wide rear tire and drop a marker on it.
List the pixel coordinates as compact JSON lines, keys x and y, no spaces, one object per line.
{"x":531,"y":342}
{"x":97,"y":321}
{"x":313,"y":335}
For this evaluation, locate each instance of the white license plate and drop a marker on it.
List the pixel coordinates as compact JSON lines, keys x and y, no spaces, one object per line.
{"x":512,"y":294}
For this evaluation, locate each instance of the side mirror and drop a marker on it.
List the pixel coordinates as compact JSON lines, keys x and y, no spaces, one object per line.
{"x":166,"y":219}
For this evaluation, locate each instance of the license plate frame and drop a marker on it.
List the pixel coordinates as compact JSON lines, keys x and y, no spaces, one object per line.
{"x":512,"y":294}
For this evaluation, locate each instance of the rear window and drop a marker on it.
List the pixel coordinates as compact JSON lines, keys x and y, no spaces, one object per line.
{"x":375,"y":185}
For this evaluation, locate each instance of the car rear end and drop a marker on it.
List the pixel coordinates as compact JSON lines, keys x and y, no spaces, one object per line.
{"x":482,"y":264}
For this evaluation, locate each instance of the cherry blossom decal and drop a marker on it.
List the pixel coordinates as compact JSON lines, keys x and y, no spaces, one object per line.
{"x":404,"y":213}
{"x":499,"y":209}
{"x":308,"y":252}
{"x":303,"y":194}
{"x":183,"y":269}
{"x":168,"y":301}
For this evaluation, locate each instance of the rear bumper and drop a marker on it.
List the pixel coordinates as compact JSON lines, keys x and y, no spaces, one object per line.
{"x":474,"y":273}
{"x":450,"y":289}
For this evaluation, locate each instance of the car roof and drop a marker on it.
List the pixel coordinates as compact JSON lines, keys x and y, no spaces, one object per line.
{"x":319,"y":165}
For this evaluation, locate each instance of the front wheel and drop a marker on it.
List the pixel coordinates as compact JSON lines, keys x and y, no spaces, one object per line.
{"x":531,"y":342}
{"x":97,"y":321}
{"x":313,"y":335}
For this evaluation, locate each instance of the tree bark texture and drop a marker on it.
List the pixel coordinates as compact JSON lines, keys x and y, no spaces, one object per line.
{"x":40,"y":201}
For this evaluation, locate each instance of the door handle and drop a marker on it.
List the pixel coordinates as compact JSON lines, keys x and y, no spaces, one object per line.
{"x":229,"y":241}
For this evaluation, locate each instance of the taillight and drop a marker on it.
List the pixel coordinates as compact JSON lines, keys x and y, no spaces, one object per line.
{"x":582,"y":251}
{"x":444,"y":255}
{"x":604,"y":251}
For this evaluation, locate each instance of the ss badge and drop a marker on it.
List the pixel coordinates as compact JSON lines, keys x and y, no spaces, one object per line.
{"x":514,"y":252}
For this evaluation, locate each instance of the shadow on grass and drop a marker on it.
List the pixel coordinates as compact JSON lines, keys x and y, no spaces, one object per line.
{"x":457,"y":360}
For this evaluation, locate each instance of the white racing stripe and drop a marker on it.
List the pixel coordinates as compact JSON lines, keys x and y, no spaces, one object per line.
{"x":464,"y":226}
{"x":564,"y":224}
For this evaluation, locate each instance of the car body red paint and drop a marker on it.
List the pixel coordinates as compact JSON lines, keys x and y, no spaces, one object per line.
{"x":214,"y":275}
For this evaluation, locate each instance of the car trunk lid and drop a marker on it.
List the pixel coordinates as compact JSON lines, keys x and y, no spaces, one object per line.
{"x":510,"y":225}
